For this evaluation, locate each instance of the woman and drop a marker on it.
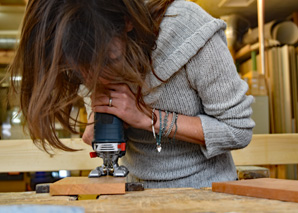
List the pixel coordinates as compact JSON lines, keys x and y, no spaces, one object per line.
{"x":162,"y":66}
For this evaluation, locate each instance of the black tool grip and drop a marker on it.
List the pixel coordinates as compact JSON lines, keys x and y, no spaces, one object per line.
{"x":108,"y":129}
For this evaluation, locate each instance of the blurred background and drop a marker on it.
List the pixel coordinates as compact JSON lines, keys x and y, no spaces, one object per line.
{"x":11,"y":15}
{"x":275,"y":88}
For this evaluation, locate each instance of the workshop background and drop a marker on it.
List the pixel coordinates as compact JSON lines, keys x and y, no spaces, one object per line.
{"x":275,"y":88}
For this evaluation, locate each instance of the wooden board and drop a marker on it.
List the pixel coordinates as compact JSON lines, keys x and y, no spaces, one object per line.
{"x":156,"y":200}
{"x":20,"y":155}
{"x":88,"y":186}
{"x":268,"y":149}
{"x":270,"y":188}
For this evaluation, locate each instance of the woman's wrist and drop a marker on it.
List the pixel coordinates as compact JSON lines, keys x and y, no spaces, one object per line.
{"x":164,"y":123}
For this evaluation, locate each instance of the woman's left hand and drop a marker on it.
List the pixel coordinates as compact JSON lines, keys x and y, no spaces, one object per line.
{"x":123,"y":105}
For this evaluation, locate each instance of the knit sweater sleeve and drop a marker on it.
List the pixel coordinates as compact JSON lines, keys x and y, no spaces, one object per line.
{"x":226,"y":120}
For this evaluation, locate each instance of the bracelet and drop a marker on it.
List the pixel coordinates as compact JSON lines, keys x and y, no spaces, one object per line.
{"x":163,"y":126}
{"x":171,"y":125}
{"x":165,"y":122}
{"x":158,"y":139}
{"x":152,"y":123}
{"x":176,"y":127}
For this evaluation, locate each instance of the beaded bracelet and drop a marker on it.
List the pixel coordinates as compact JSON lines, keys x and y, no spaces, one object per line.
{"x":176,"y":127}
{"x":171,"y":125}
{"x":163,"y":126}
{"x":165,"y":122}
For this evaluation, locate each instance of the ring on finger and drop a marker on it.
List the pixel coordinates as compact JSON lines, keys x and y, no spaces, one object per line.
{"x":110,"y":102}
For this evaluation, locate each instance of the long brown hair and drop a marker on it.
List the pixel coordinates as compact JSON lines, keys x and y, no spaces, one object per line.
{"x":64,"y":40}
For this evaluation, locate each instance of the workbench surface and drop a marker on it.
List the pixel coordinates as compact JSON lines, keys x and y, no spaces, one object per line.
{"x":157,"y":200}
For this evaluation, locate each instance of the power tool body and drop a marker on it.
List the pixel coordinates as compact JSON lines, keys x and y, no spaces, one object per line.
{"x":109,"y":144}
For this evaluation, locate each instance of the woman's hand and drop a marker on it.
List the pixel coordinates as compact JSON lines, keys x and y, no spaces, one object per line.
{"x":89,"y":131}
{"x":121,"y":103}
{"x":123,"y":106}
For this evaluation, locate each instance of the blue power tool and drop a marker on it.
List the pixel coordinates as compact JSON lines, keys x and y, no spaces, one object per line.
{"x":109,"y":144}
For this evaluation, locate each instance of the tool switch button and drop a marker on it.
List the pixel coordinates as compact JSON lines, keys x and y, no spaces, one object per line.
{"x":93,"y":154}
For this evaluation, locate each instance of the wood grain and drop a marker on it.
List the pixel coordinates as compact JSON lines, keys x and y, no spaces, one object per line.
{"x":88,"y":186}
{"x":157,"y":200}
{"x":270,"y":188}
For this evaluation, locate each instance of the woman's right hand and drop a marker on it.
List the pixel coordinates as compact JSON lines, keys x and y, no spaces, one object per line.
{"x":89,"y":131}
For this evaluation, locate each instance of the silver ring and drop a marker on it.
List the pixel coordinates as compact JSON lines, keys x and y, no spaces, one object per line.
{"x":110,"y":102}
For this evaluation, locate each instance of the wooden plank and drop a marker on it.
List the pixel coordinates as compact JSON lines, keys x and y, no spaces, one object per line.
{"x":24,"y":156}
{"x":281,"y":171}
{"x":272,"y":170}
{"x":271,"y":86}
{"x":88,"y":186}
{"x":268,"y":149}
{"x":276,"y":95}
{"x":286,"y":69}
{"x":294,"y":86}
{"x":270,"y":188}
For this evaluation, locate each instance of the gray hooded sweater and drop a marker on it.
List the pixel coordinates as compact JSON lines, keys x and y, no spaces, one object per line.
{"x":200,"y":80}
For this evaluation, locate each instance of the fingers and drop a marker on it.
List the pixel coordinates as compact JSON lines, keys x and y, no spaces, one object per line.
{"x":119,"y":95}
{"x":119,"y":89}
{"x":88,"y":134}
{"x":113,"y":89}
{"x":120,"y":102}
{"x":100,"y":100}
{"x":89,"y":131}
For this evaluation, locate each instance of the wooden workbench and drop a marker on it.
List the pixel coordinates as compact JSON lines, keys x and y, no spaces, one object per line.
{"x":157,"y":200}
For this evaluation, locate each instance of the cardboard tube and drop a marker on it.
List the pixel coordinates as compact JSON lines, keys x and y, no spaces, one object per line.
{"x":285,"y":32}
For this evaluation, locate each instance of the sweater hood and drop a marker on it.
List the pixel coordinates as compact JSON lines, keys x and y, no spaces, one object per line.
{"x":184,"y":30}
